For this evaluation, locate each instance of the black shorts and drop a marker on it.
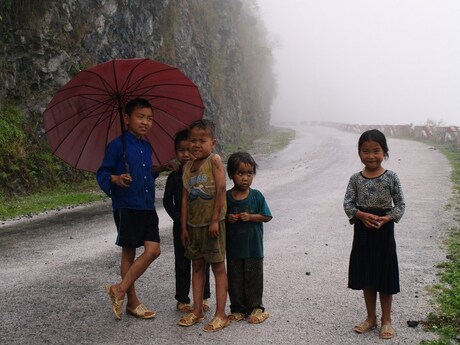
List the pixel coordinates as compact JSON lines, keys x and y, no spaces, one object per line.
{"x":134,"y":227}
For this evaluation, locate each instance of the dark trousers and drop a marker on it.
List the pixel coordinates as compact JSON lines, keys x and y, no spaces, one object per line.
{"x":245,"y":284}
{"x":182,"y":266}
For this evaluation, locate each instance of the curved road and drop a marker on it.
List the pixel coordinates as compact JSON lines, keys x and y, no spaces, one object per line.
{"x":53,"y":268}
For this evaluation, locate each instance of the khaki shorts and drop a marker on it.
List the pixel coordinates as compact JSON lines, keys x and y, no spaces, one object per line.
{"x":202,"y":246}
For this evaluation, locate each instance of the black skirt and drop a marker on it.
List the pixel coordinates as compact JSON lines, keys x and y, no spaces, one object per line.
{"x":373,"y":259}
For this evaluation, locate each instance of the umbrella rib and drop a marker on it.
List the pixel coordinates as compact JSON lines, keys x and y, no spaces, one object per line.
{"x":100,"y":120}
{"x":92,"y":108}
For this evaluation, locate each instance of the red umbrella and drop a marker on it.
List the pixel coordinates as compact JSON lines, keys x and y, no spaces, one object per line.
{"x":87,"y":112}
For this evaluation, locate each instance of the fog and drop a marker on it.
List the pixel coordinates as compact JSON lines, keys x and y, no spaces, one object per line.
{"x":366,"y":61}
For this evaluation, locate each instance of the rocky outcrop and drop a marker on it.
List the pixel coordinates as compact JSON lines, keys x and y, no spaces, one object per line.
{"x":219,"y":44}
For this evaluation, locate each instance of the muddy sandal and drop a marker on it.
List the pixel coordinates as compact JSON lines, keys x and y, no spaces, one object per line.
{"x":258,"y":316}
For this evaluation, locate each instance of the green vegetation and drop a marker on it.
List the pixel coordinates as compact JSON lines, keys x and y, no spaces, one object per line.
{"x":48,"y":200}
{"x":274,"y":140}
{"x":445,"y":321}
{"x":27,"y":165}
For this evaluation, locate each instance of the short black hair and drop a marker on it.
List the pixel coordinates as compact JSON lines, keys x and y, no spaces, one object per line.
{"x":182,"y":135}
{"x":378,"y":137}
{"x":206,"y":125}
{"x":236,"y":159}
{"x":136,"y":103}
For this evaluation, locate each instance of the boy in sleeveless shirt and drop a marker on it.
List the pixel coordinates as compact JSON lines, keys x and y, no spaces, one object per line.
{"x":203,"y":222}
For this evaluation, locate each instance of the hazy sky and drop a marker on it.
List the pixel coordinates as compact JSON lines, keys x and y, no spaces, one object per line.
{"x":366,"y":61}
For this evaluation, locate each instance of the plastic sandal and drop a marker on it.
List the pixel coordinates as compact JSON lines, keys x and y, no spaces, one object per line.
{"x":364,"y":327}
{"x":235,"y":317}
{"x":117,"y":304}
{"x":141,"y":312}
{"x":216,"y":324}
{"x":258,"y":316}
{"x":189,"y":320}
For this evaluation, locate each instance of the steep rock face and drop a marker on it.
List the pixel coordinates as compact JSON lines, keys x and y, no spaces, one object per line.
{"x":219,"y":44}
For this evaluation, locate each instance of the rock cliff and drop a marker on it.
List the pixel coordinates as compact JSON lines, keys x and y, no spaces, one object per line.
{"x":219,"y":44}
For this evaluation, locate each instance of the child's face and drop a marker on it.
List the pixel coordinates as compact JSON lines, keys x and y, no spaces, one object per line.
{"x":183,"y":152}
{"x":371,"y":155}
{"x":140,"y":121}
{"x":201,"y":143}
{"x":243,"y":176}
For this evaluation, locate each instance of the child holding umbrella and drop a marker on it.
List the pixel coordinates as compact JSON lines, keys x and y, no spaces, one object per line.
{"x":133,"y":196}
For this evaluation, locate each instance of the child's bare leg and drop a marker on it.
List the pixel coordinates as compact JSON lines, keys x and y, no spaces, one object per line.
{"x":220,"y":277}
{"x":127,"y":258}
{"x":198,"y":278}
{"x":137,"y":268}
{"x":370,"y":298}
{"x":386,"y":302}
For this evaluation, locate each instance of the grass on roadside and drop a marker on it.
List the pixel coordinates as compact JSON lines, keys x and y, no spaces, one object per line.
{"x":276,"y":139}
{"x":445,"y":321}
{"x":63,"y":196}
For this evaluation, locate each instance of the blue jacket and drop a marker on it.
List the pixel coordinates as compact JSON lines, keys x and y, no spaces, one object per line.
{"x":140,"y":195}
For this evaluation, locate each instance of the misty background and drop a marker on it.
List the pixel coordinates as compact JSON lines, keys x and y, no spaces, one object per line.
{"x":366,"y":61}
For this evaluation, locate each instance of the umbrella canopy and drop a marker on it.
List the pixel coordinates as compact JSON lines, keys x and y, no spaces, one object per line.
{"x":87,"y":112}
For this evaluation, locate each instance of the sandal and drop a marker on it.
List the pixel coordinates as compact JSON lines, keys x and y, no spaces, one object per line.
{"x":216,"y":324}
{"x":364,"y":327}
{"x":258,"y":316}
{"x":386,"y":332}
{"x":206,"y":306}
{"x":184,"y":307}
{"x":117,"y":303}
{"x":141,"y":312}
{"x":189,"y":320}
{"x":235,"y":317}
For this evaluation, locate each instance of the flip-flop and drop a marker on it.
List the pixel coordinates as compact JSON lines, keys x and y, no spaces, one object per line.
{"x":386,"y":332}
{"x":258,"y":316}
{"x":189,"y":320}
{"x":141,"y":312}
{"x":364,"y":327}
{"x":117,"y":303}
{"x":216,"y":324}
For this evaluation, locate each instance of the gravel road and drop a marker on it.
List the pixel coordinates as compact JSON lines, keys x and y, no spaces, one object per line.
{"x":53,"y":267}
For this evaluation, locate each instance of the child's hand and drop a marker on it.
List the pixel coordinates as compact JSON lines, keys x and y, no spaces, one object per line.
{"x":369,"y":220}
{"x":245,"y":217}
{"x":123,"y":180}
{"x":383,"y":220}
{"x":214,"y":229}
{"x":233,"y":217}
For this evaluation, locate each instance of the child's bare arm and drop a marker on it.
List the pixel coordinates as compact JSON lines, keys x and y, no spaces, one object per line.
{"x":218,"y":172}
{"x":183,"y":217}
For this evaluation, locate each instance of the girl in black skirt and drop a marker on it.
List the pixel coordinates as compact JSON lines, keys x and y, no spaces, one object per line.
{"x":373,"y":203}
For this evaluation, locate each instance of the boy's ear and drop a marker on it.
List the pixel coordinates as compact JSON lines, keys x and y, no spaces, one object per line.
{"x":126,"y":119}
